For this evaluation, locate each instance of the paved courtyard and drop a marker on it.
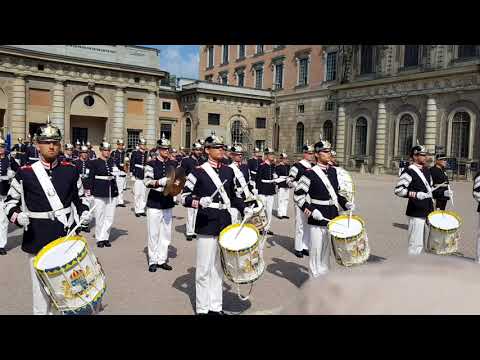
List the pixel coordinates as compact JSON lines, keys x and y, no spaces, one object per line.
{"x":133,"y":290}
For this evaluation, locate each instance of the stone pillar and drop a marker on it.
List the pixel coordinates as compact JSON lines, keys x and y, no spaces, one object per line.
{"x":380,"y":139}
{"x":57,"y":117}
{"x":118,"y":120}
{"x":18,"y":113}
{"x":340,"y":138}
{"x":150,"y":111}
{"x":430,"y":126}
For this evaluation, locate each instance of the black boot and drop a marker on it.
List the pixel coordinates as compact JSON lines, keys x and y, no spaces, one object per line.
{"x":298,"y":254}
{"x":3,"y":251}
{"x":305,"y":252}
{"x":107,"y":243}
{"x":100,"y":244}
{"x":165,"y":266}
{"x":189,"y":237}
{"x":152,"y":268}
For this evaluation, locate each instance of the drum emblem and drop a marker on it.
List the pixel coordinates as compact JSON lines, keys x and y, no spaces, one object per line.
{"x":78,"y":283}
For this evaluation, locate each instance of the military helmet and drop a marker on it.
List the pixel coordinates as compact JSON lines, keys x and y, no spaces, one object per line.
{"x":48,"y":132}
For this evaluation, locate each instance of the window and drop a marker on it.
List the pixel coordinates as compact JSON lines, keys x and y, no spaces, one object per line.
{"x":133,"y":138}
{"x":411,"y":55}
{"x":329,"y":105}
{"x":303,"y":72}
{"x":209,"y":78}
{"x":405,"y":135}
{"x":80,"y":134}
{"x":331,"y":66}
{"x":237,"y":132}
{"x":210,"y":54}
{"x":466,"y":51}
{"x":188,"y":133}
{"x":166,"y":129}
{"x":259,"y":49}
{"x":89,"y":100}
{"x":261,"y":123}
{"x":213,"y":119}
{"x":223,"y":78}
{"x":259,"y":77}
{"x":301,"y":108}
{"x":328,"y":131}
{"x":40,"y":67}
{"x":361,"y":136}
{"x":137,"y":80}
{"x":460,"y":134}
{"x":300,"y":135}
{"x":241,"y":51}
{"x":241,"y":78}
{"x":278,"y":76}
{"x":366,"y":60}
{"x":277,"y":112}
{"x":166,"y":106}
{"x":225,"y":55}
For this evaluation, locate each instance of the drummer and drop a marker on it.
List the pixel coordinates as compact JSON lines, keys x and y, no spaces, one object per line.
{"x":118,"y":156}
{"x":440,"y":181}
{"x":476,"y":196}
{"x":242,"y":179}
{"x":41,"y":224}
{"x":266,"y":179}
{"x":282,"y":169}
{"x":415,"y":184}
{"x":159,"y":207}
{"x":317,"y":195}
{"x":211,"y":178}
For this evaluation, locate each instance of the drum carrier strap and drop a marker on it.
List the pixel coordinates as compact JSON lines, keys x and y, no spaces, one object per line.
{"x":217,"y":182}
{"x":328,"y":185}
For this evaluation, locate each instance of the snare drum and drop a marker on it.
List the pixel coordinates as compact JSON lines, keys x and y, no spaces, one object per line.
{"x":444,"y":232}
{"x":349,"y":243}
{"x":241,"y":257}
{"x":259,"y":218}
{"x":71,"y":275}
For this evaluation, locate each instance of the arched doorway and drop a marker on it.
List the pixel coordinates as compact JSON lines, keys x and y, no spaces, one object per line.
{"x":406,"y":127}
{"x":460,"y":145}
{"x":300,"y":134}
{"x":361,"y":129}
{"x":188,"y":133}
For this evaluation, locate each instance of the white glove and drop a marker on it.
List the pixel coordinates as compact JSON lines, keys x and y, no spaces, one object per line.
{"x":275,"y":176}
{"x":350,"y":206}
{"x":205,"y":201}
{"x":255,"y":191}
{"x":162,"y":181}
{"x":317,"y":215}
{"x":23,"y":219}
{"x":292,"y":185}
{"x":448,"y":193}
{"x":279,"y":180}
{"x":247,"y":213}
{"x":85,"y":219}
{"x":423,"y":196}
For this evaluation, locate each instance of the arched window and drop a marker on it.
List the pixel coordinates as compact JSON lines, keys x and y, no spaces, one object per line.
{"x":188,"y":133}
{"x":361,"y":136}
{"x":300,"y":137}
{"x":405,"y":134}
{"x":328,"y":131}
{"x":237,"y":133}
{"x":460,"y":134}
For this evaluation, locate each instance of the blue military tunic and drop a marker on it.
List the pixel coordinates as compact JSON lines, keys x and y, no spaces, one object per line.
{"x":266,"y":171}
{"x":282,"y":170}
{"x":118,"y":157}
{"x":253,"y":165}
{"x":7,"y":163}
{"x":246,"y":175}
{"x":31,"y":155}
{"x":189,"y":163}
{"x":138,"y":160}
{"x":106,"y":186}
{"x":156,"y":170}
{"x":83,"y":170}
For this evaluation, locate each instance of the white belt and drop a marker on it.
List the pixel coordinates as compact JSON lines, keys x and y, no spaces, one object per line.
{"x":30,"y":158}
{"x":104,"y":177}
{"x":49,"y":214}
{"x":219,"y":206}
{"x":139,"y":166}
{"x":3,"y":178}
{"x":322,"y":202}
{"x":159,"y":189}
{"x":253,"y":172}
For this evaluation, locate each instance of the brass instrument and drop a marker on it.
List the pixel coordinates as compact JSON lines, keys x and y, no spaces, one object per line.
{"x":176,"y":181}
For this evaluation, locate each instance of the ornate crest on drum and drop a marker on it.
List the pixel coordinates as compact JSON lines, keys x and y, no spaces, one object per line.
{"x":444,"y":232}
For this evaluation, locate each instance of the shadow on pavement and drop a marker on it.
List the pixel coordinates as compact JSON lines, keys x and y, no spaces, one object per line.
{"x":116,"y":233}
{"x":284,"y":241}
{"x":295,"y":273}
{"x":375,"y":259}
{"x":400,"y":226}
{"x":178,"y":217}
{"x":13,"y":242}
{"x":182,"y":229}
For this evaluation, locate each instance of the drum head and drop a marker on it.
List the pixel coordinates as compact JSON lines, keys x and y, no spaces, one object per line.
{"x":339,"y":227}
{"x":245,"y":239}
{"x":444,"y":220}
{"x":59,"y":253}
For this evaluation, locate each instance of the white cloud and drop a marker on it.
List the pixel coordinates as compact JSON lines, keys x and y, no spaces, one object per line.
{"x":180,"y":64}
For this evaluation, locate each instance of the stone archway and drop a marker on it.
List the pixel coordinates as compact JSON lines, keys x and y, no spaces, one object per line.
{"x":3,"y":108}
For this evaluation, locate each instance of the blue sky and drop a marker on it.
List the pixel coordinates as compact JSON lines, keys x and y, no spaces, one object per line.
{"x":179,"y":60}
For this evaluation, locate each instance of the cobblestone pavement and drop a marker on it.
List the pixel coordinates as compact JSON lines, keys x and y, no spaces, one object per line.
{"x":133,"y":290}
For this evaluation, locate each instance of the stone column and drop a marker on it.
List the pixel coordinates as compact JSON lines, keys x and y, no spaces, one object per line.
{"x":380,"y":139}
{"x":150,"y":111}
{"x":18,"y":113}
{"x":118,"y":121}
{"x":340,"y":142}
{"x":57,"y":117}
{"x":430,"y":126}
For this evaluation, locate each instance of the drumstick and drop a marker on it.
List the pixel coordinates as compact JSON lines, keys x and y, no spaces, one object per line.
{"x":242,"y":224}
{"x":453,"y":204}
{"x":24,"y":205}
{"x":75,"y":229}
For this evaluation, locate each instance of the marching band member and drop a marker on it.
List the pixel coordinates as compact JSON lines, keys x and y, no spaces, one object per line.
{"x":440,"y":181}
{"x":67,"y":153}
{"x":254,"y":164}
{"x":31,"y":154}
{"x":296,"y":172}
{"x":103,"y":187}
{"x":476,"y":196}
{"x":242,"y":180}
{"x":49,"y":187}
{"x":8,"y":168}
{"x":316,"y":194}
{"x":91,"y":153}
{"x":265,"y":180}
{"x":204,"y":181}
{"x":19,"y":150}
{"x":138,"y":160}
{"x":118,"y":156}
{"x":415,"y":183}
{"x":188,"y":164}
{"x":82,"y":166}
{"x":159,"y":208}
{"x":282,"y":170}
{"x":76,"y":151}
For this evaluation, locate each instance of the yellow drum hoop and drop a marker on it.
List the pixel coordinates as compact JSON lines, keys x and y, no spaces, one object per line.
{"x":58,"y":270}
{"x":241,"y":251}
{"x":449,"y":212}
{"x":351,"y":238}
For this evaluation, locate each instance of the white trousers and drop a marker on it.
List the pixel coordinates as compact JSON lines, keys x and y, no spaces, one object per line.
{"x":41,"y":301}
{"x":478,"y":240}
{"x":121,"y":187}
{"x":104,"y":215}
{"x":236,"y":216}
{"x":302,"y":235}
{"x":416,"y":235}
{"x":140,"y":195}
{"x":208,"y":275}
{"x":282,"y":203}
{"x":267,"y":201}
{"x":320,"y":249}
{"x":191,"y":217}
{"x":159,"y":223}
{"x":3,"y":226}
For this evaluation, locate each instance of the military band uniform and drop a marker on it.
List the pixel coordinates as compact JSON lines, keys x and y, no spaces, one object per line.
{"x":243,"y":189}
{"x":120,"y":174}
{"x":8,"y":168}
{"x":439,"y":177}
{"x":265,"y":184}
{"x":137,"y":164}
{"x":476,"y":196}
{"x":188,"y":164}
{"x":253,"y":165}
{"x":31,"y":155}
{"x":282,"y":171}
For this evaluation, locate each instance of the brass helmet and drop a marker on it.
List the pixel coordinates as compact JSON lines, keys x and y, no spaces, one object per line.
{"x":48,"y":132}
{"x":68,"y":147}
{"x":142,"y":141}
{"x":213,"y":141}
{"x":84,"y":149}
{"x":120,"y":142}
{"x":105,"y":146}
{"x":163,"y":143}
